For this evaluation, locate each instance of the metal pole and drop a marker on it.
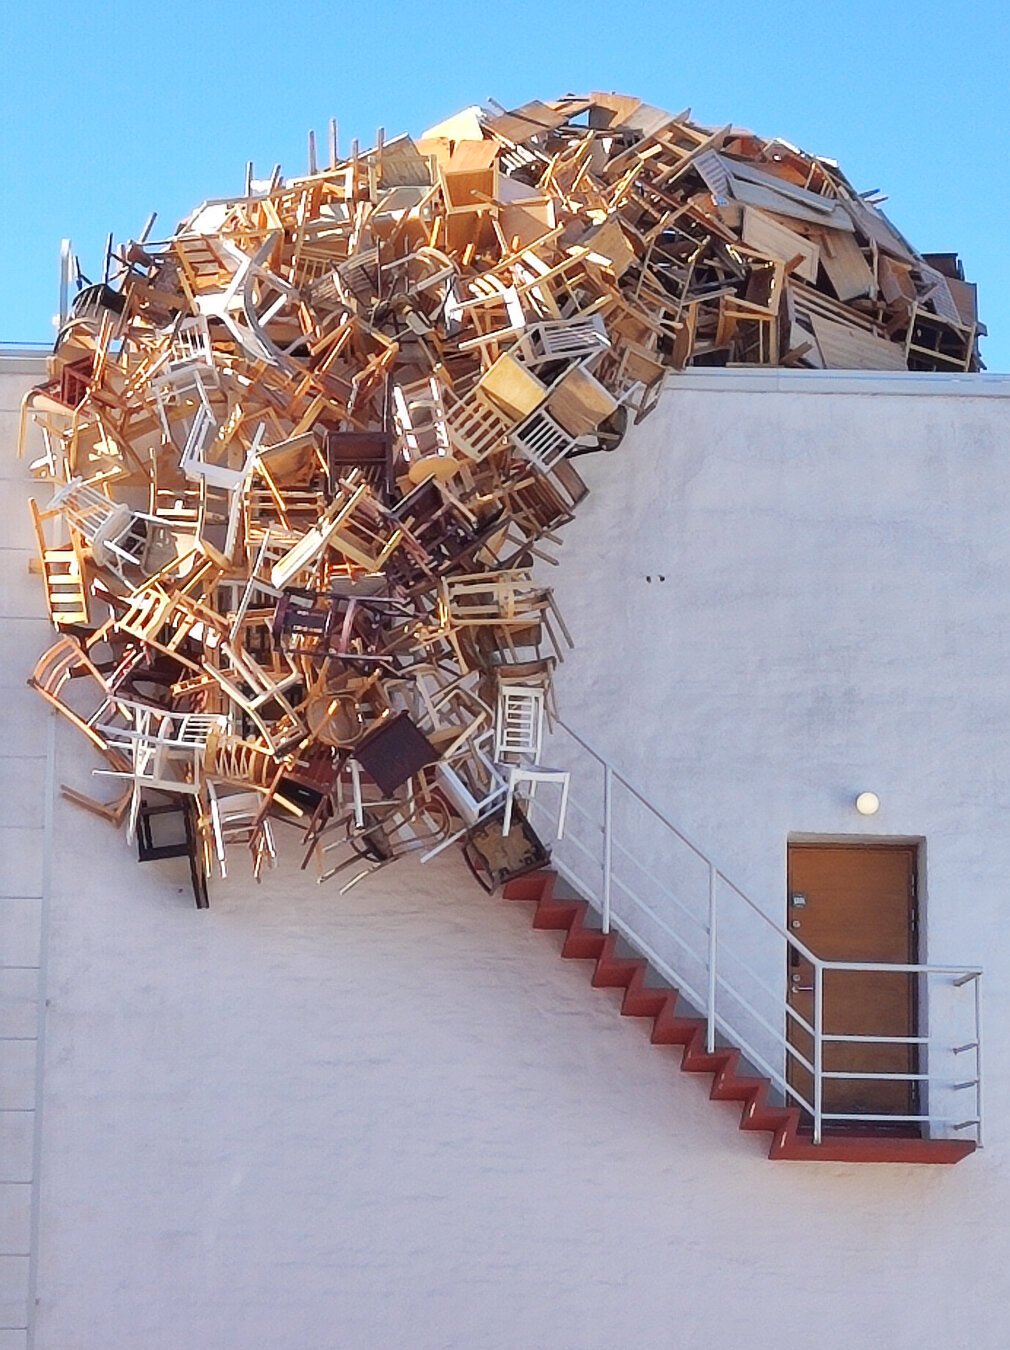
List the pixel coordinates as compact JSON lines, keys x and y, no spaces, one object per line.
{"x":713,"y":938}
{"x":978,"y":1059}
{"x":608,"y":842}
{"x":66,"y":264}
{"x":818,"y":1051}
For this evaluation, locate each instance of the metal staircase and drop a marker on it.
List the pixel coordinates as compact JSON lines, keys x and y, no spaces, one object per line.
{"x":723,"y":959}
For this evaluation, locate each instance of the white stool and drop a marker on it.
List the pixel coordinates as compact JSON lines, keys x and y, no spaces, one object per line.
{"x":533,"y":776}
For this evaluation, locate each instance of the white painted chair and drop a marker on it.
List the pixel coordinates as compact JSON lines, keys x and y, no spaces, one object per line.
{"x":116,"y":535}
{"x":419,"y":416}
{"x":253,"y":298}
{"x":187,"y":369}
{"x":542,"y":440}
{"x":474,"y":784}
{"x":166,"y":751}
{"x":532,"y":776}
{"x":235,"y":819}
{"x":578,"y":340}
{"x":519,"y":721}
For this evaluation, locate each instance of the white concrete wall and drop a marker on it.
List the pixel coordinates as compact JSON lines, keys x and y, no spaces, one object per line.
{"x":26,"y":766}
{"x":396,"y":1119}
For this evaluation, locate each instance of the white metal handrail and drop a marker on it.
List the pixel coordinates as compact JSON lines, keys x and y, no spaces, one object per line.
{"x":705,"y":960}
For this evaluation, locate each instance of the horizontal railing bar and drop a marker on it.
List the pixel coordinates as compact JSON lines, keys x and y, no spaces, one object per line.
{"x":952,"y":1084}
{"x":893,"y":968}
{"x":885,"y":1077}
{"x":861,"y":1116}
{"x":883,"y":1040}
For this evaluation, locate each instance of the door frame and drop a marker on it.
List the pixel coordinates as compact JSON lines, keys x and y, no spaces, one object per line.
{"x":916,"y":844}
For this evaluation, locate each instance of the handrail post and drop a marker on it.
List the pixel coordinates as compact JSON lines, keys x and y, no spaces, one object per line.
{"x":818,"y":1051}
{"x":713,"y":938}
{"x":608,"y":842}
{"x":978,"y":1060}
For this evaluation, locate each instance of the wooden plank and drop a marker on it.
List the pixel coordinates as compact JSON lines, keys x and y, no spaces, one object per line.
{"x":848,"y":271}
{"x":525,"y":222}
{"x":940,"y":294}
{"x":580,"y":402}
{"x":777,"y":241}
{"x":812,"y":301}
{"x":965,"y":297}
{"x":527,"y":122}
{"x":770,"y":199}
{"x":846,"y":348}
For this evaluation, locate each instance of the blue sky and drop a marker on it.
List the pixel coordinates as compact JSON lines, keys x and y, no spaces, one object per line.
{"x":110,"y":111}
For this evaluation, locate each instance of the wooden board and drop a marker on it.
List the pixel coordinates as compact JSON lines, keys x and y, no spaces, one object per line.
{"x":846,"y":348}
{"x":512,"y":387}
{"x":770,"y":199}
{"x":580,"y":402}
{"x":848,"y":271}
{"x":527,"y":221}
{"x":783,"y":196}
{"x":774,"y":240}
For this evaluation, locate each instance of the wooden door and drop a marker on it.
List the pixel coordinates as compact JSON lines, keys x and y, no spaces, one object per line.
{"x":855,"y":903}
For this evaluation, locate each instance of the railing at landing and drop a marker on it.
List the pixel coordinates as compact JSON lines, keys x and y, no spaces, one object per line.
{"x":710,"y":940}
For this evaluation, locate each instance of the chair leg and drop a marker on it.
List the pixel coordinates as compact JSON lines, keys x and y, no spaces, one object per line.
{"x":506,"y":824}
{"x":563,"y":808}
{"x":359,"y":806}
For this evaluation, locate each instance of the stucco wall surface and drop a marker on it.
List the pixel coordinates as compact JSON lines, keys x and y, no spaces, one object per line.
{"x":395,"y":1119}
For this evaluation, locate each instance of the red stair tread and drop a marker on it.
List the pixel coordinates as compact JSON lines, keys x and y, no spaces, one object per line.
{"x":789,"y":1141}
{"x":862,"y":1149}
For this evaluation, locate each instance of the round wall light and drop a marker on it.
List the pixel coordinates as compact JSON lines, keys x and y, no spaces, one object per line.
{"x":867,"y":803}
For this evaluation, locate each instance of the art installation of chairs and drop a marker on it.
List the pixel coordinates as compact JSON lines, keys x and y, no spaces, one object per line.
{"x":305,"y":462}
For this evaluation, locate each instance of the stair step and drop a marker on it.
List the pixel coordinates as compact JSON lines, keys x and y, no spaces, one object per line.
{"x":863,"y":1149}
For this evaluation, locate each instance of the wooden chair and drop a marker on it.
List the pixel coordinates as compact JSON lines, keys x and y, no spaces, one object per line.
{"x":63,"y":575}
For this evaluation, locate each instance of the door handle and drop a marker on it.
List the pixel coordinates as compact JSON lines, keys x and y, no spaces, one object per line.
{"x":802,"y":989}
